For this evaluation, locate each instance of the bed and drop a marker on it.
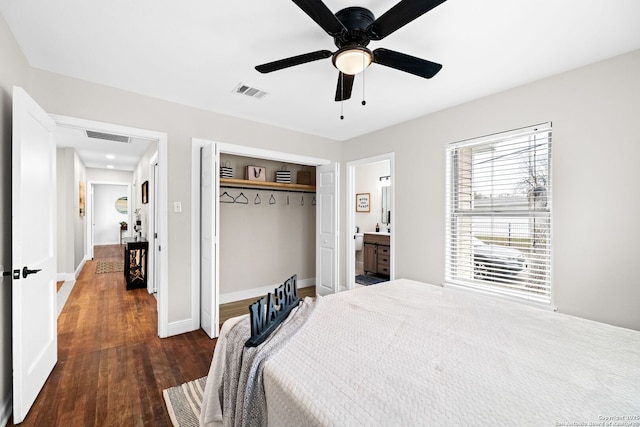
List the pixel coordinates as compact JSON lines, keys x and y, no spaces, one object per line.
{"x":409,"y":353}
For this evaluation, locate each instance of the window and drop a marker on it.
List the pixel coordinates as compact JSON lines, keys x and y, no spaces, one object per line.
{"x":499,"y":214}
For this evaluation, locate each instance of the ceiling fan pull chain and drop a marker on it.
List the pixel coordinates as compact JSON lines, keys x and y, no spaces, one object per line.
{"x":341,"y":96}
{"x":363,"y":101}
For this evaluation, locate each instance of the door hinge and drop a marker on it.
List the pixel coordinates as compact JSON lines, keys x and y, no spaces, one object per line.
{"x":159,"y":248}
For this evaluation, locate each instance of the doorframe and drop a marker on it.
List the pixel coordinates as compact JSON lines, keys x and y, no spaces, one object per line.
{"x":238,"y":150}
{"x":351,"y":213}
{"x":152,"y":254}
{"x":162,"y":141}
{"x":90,"y":213}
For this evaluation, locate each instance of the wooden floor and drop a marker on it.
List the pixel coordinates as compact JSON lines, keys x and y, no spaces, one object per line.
{"x":112,"y":367}
{"x":238,"y":308}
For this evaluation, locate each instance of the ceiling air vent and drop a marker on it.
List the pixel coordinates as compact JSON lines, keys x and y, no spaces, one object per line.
{"x":108,"y":136}
{"x":250,"y":91}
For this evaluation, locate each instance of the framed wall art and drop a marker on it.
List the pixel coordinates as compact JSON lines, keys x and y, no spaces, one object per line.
{"x":145,"y":192}
{"x":83,"y":197}
{"x":363,"y":202}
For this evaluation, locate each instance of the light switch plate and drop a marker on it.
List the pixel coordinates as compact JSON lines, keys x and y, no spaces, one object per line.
{"x":177,"y":207}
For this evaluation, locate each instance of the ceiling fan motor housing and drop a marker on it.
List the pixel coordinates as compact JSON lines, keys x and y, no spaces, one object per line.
{"x":356,"y":20}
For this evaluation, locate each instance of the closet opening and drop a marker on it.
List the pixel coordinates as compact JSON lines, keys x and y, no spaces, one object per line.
{"x":267,"y":231}
{"x":257,"y":219}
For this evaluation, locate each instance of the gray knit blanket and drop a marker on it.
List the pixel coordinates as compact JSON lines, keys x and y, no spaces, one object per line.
{"x":242,"y":389}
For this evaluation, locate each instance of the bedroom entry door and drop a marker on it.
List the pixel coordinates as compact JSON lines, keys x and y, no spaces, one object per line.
{"x":34,"y":302}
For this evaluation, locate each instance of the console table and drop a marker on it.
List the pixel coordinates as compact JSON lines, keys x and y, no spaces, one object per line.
{"x":135,"y":262}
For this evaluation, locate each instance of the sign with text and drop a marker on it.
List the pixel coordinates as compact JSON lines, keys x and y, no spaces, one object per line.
{"x":269,"y":311}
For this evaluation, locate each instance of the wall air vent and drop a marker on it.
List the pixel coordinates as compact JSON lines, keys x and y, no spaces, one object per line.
{"x":108,"y":136}
{"x":249,"y":91}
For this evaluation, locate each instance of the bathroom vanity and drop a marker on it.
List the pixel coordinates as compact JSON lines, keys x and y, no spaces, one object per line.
{"x":377,"y":253}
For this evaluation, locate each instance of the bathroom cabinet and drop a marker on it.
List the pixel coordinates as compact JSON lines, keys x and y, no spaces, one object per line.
{"x":377,"y":254}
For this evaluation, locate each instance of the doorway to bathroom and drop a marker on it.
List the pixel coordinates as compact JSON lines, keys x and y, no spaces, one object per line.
{"x":370,"y":218}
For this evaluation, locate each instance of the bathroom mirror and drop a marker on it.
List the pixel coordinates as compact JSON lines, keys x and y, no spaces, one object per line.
{"x":386,"y":205}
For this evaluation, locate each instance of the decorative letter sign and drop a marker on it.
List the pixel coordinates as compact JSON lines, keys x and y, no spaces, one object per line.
{"x":266,"y":315}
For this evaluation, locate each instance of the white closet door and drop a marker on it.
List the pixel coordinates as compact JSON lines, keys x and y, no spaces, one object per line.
{"x":327,"y":229}
{"x":208,"y":286}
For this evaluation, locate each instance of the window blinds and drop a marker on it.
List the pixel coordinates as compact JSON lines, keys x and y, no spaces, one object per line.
{"x":498,"y":231}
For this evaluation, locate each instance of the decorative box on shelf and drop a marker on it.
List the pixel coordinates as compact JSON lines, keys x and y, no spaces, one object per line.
{"x":135,"y":262}
{"x":256,"y":173}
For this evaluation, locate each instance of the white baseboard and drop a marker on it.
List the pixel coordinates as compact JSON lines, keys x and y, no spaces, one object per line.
{"x":180,"y":327}
{"x":260,"y":292}
{"x":64,"y":277}
{"x":6,"y":409}
{"x":80,"y":267}
{"x":70,"y":277}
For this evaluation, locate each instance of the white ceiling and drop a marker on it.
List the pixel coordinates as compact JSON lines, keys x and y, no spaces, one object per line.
{"x":101,"y":153}
{"x":196,"y":52}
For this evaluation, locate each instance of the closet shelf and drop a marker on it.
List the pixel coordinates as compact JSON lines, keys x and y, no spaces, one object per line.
{"x":232,"y":182}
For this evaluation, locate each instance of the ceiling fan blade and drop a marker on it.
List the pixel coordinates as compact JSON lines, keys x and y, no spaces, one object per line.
{"x":294,"y":60}
{"x":400,"y":15}
{"x":406,"y":63}
{"x":345,"y":85}
{"x":322,"y":16}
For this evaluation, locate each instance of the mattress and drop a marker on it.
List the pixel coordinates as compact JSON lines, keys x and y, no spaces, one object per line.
{"x":410,"y":353}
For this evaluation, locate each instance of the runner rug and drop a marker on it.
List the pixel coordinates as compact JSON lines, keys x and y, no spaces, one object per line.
{"x":184,"y":402}
{"x":109,"y":266}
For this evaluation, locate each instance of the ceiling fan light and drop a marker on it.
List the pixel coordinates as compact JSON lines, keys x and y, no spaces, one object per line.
{"x":352,"y":60}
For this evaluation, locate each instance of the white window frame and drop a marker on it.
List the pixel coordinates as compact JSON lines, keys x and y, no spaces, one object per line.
{"x":461,"y":266}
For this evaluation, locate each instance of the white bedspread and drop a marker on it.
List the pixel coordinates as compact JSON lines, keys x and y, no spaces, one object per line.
{"x":408,"y":353}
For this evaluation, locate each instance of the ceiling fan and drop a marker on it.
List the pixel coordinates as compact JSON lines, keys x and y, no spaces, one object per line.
{"x":352,"y":29}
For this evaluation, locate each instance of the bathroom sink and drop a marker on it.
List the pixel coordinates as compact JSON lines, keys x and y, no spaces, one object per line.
{"x":383,"y":233}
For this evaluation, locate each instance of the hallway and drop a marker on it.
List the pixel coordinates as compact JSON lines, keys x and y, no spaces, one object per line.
{"x":112,"y":367}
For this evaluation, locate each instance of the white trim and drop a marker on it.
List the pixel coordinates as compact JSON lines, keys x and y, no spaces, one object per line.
{"x":242,"y":150}
{"x":196,"y":146}
{"x":350,"y":258}
{"x":492,"y":294}
{"x":72,"y":276}
{"x":179,"y":327}
{"x":151,"y":277}
{"x":502,"y":135}
{"x":261,"y":291}
{"x":163,"y":232}
{"x":6,"y":409}
{"x":79,"y":268}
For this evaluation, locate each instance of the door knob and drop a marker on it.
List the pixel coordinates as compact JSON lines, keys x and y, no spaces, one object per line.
{"x":26,"y":272}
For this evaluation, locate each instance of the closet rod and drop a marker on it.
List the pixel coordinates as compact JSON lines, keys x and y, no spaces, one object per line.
{"x":267,"y":189}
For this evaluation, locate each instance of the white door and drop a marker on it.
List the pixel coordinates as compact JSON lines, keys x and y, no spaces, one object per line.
{"x":35,"y":338}
{"x":327,"y":229}
{"x":208,"y":292}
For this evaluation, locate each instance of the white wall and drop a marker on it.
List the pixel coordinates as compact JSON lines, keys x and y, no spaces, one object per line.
{"x":106,"y":218}
{"x":595,"y":112}
{"x":367,"y":180}
{"x":140,"y":175}
{"x":71,"y":226}
{"x":76,"y":98}
{"x":264,"y":244}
